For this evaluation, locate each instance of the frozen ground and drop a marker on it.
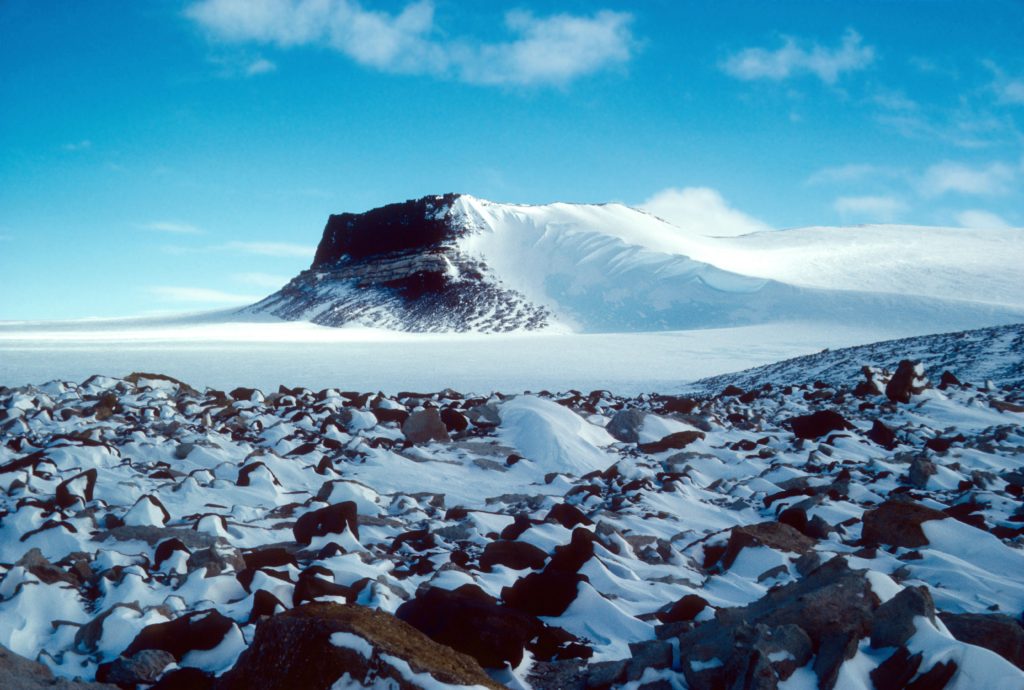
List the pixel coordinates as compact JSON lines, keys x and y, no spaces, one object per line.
{"x":219,"y":351}
{"x":855,"y":533}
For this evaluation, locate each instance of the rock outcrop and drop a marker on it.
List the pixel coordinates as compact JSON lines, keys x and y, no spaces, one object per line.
{"x":398,"y":267}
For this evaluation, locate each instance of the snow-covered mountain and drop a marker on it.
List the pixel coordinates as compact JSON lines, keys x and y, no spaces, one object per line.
{"x":458,"y":263}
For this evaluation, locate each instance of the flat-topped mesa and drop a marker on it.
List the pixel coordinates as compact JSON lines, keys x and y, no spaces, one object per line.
{"x":400,"y":267}
{"x":417,"y":224}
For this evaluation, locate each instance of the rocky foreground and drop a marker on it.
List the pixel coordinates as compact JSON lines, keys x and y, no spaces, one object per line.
{"x":855,"y":534}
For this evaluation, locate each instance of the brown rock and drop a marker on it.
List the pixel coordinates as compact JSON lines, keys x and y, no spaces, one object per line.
{"x":424,"y":426}
{"x":995,"y":631}
{"x":294,"y":650}
{"x":774,"y":535}
{"x":898,"y":523}
{"x":675,"y":441}
{"x":905,"y":382}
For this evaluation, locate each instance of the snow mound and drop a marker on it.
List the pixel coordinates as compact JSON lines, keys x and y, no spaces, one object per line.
{"x":554,"y":437}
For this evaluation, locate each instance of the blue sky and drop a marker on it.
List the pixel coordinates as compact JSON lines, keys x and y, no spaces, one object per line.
{"x":170,"y":156}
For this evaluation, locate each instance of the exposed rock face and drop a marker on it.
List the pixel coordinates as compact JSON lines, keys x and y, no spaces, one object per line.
{"x":398,"y":267}
{"x":315,"y":645}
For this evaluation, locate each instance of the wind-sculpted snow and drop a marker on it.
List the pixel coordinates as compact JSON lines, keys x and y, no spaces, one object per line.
{"x":817,"y":533}
{"x":455,"y":263}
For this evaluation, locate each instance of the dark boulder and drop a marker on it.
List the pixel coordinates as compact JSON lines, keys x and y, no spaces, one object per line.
{"x":330,"y":520}
{"x":424,"y":426}
{"x":547,"y":593}
{"x":571,"y":557}
{"x":897,"y":523}
{"x":675,"y":441}
{"x":499,"y":634}
{"x":920,"y":470}
{"x":686,"y":609}
{"x":198,"y":630}
{"x":517,"y":555}
{"x":774,"y":535}
{"x":567,"y":516}
{"x":896,"y":672}
{"x":882,"y":435}
{"x":832,"y":605}
{"x":893,"y":623}
{"x":166,"y":548}
{"x":302,"y":648}
{"x":625,"y":425}
{"x":454,"y":420}
{"x":909,"y":380}
{"x":995,"y":631}
{"x":818,"y":424}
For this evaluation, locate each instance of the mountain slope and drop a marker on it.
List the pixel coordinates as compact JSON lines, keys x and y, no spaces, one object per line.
{"x":987,"y":354}
{"x":457,"y":263}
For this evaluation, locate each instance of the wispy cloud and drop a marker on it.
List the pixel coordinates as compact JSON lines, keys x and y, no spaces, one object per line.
{"x":1008,"y":89}
{"x":78,"y":145}
{"x":172,"y":227}
{"x":853,"y":172}
{"x":701,"y":210}
{"x":949,"y":176}
{"x":272,"y":249}
{"x":260,"y":66}
{"x":876,"y":208}
{"x":793,"y":59}
{"x":199,"y":295}
{"x":551,"y":50}
{"x":261,"y":280}
{"x":893,"y":100}
{"x":982,"y":220}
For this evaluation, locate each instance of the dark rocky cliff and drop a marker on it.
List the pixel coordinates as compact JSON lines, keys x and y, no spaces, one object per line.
{"x":414,"y":225}
{"x":399,"y":267}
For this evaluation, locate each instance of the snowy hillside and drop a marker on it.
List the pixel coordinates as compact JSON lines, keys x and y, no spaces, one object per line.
{"x":457,"y":263}
{"x":987,"y":354}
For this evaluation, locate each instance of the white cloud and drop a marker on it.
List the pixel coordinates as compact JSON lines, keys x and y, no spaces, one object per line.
{"x":875,"y":208}
{"x":551,"y":50}
{"x":955,"y":177}
{"x":543,"y":50}
{"x":701,"y":210}
{"x":172,"y":227}
{"x":280,"y":249}
{"x":792,"y":59}
{"x":982,"y":220}
{"x":260,"y":66}
{"x":200,"y":295}
{"x":263,"y":280}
